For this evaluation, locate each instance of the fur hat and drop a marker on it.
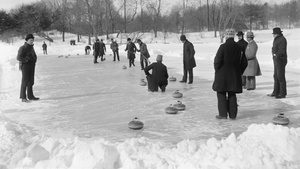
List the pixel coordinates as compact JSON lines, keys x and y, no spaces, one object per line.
{"x":240,"y":33}
{"x":182,"y":38}
{"x":229,"y":33}
{"x":159,"y":58}
{"x":29,"y":36}
{"x":277,"y":31}
{"x":250,"y":34}
{"x":128,"y":39}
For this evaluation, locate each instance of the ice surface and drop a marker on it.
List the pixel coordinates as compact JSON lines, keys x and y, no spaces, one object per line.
{"x":92,"y":102}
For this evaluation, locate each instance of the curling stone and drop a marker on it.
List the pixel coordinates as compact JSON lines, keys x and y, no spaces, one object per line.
{"x":124,"y":67}
{"x":179,"y":106}
{"x":172,"y":79}
{"x":281,"y":119}
{"x":171,"y":110}
{"x":66,"y":57}
{"x":177,"y":94}
{"x":143,"y":83}
{"x":135,"y":124}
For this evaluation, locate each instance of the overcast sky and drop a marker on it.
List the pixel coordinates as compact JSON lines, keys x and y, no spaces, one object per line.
{"x":9,"y":4}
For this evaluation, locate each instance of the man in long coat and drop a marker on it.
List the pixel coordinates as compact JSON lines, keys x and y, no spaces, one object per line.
{"x":159,"y":76}
{"x":131,"y":50}
{"x":188,"y":60}
{"x":229,"y":65}
{"x":279,"y":52}
{"x":102,"y":50}
{"x":144,"y":54}
{"x":96,"y":48}
{"x":243,"y":44}
{"x":115,"y":49}
{"x":27,"y":59}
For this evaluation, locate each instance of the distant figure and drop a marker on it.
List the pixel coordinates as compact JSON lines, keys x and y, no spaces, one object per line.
{"x":253,"y":68}
{"x":159,"y":76}
{"x":44,"y":46}
{"x":188,"y":60}
{"x":131,"y":50}
{"x":102,"y":50}
{"x":96,"y":48}
{"x":279,"y":53}
{"x":144,"y":54}
{"x":27,"y":59}
{"x":87,"y":50}
{"x":115,"y":49}
{"x":229,"y":65}
{"x":243,"y":44}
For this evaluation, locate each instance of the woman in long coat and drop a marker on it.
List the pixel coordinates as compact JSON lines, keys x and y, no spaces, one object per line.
{"x":229,"y":65}
{"x":253,"y":68}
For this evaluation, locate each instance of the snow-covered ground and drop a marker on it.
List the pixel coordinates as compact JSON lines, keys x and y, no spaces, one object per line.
{"x":81,"y":119}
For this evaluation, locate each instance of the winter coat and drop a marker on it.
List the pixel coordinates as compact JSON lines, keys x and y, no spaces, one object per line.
{"x":279,"y":47}
{"x":243,"y":44}
{"x":144,"y":50}
{"x":188,"y":55}
{"x":26,"y":54}
{"x":229,"y":65}
{"x":131,"y":49}
{"x":253,"y":68}
{"x":159,"y":73}
{"x":44,"y":46}
{"x":114,"y":46}
{"x":99,"y":48}
{"x":102,"y":49}
{"x":96,"y":48}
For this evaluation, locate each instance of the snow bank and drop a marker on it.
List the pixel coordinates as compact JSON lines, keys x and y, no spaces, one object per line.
{"x":261,"y":146}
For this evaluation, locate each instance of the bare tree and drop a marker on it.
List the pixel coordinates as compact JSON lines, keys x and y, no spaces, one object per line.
{"x":130,"y":10}
{"x":227,"y":15}
{"x":61,"y":15}
{"x":154,"y":8}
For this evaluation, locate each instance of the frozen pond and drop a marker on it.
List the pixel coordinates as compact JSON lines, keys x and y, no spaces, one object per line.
{"x":79,"y":98}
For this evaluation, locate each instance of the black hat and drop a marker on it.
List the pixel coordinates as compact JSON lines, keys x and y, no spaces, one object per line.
{"x":182,"y":38}
{"x":97,"y":40}
{"x":128,"y":39}
{"x":29,"y":36}
{"x":277,"y":31}
{"x":240,"y":33}
{"x":138,"y":40}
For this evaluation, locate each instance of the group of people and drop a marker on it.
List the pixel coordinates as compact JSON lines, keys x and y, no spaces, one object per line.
{"x":235,"y":67}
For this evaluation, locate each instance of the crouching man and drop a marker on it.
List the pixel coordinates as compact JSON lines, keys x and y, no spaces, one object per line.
{"x":159,"y":76}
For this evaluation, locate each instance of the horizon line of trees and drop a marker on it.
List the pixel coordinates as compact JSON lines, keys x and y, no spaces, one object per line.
{"x":93,"y":18}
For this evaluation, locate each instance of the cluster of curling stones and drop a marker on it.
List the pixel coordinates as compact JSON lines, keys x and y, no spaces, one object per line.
{"x":179,"y":106}
{"x":61,"y":56}
{"x":281,"y":119}
{"x":135,"y":124}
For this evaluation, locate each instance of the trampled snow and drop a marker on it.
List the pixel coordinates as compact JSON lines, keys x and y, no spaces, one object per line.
{"x":81,"y":119}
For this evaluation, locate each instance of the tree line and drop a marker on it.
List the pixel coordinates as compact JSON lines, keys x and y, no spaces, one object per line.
{"x":95,"y":18}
